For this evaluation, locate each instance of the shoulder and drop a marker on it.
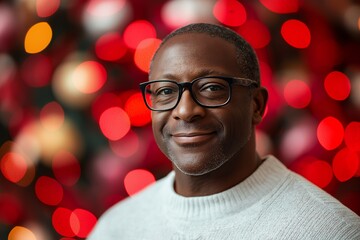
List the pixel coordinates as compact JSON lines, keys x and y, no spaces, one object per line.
{"x":128,"y":214}
{"x":307,"y":206}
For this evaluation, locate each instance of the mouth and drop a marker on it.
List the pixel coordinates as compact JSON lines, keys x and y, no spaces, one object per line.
{"x":192,"y":138}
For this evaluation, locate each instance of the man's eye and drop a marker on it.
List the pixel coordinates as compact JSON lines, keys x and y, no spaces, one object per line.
{"x":212,"y":87}
{"x":165,"y":91}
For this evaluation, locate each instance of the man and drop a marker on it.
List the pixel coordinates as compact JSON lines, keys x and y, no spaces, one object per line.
{"x":206,"y":99}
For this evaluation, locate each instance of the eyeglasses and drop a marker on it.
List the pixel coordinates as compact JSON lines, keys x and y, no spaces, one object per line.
{"x":209,"y":92}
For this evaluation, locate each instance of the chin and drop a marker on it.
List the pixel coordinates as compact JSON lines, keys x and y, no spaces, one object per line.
{"x":193,"y":166}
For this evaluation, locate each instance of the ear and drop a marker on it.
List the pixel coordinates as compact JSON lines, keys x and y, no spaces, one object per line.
{"x":260,"y":97}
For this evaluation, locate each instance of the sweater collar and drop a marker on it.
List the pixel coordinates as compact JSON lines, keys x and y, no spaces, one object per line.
{"x":267,"y":177}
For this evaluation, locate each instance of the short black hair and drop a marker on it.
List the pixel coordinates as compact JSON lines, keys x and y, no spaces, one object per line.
{"x":245,"y":54}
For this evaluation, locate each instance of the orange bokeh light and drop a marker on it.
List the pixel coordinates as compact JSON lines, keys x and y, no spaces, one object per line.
{"x":144,"y":52}
{"x":38,"y":37}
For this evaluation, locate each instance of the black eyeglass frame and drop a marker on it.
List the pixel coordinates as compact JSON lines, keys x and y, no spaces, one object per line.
{"x":245,"y":82}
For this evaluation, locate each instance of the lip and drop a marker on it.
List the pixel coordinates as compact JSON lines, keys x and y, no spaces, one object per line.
{"x":191,"y":138}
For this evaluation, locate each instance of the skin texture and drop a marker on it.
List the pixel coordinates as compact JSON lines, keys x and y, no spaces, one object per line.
{"x":212,"y":149}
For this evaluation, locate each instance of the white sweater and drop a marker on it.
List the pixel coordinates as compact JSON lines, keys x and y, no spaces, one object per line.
{"x":273,"y":203}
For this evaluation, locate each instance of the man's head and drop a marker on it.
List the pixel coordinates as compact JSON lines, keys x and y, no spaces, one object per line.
{"x":199,"y":139}
{"x":245,"y":55}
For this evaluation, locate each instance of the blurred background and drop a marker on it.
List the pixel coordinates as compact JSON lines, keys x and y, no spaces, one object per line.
{"x":75,"y":136}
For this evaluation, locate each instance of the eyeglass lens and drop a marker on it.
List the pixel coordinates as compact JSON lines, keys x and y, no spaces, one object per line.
{"x":209,"y":92}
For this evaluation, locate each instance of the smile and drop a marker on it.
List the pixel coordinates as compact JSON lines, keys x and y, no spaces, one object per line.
{"x":192,"y":137}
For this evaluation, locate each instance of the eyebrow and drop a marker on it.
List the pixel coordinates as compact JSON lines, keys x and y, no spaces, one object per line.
{"x":202,"y":73}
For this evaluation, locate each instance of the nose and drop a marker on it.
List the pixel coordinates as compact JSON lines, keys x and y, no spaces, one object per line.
{"x":187,"y":109}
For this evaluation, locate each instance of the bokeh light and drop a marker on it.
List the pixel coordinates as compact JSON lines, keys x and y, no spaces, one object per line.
{"x":352,"y":136}
{"x":101,"y":16}
{"x":89,"y":77}
{"x":191,"y":11}
{"x":296,"y":33}
{"x":137,"y":111}
{"x":297,"y":94}
{"x":114,"y":123}
{"x":330,"y":133}
{"x":82,"y":222}
{"x":256,"y":33}
{"x":345,"y":164}
{"x":137,"y":179}
{"x":21,"y":233}
{"x":38,"y":37}
{"x":337,"y":85}
{"x":318,"y":172}
{"x":144,"y":52}
{"x":230,"y":12}
{"x":49,"y":191}
{"x":110,"y":47}
{"x":61,"y":222}
{"x":138,"y":31}
{"x":45,"y":8}
{"x":11,"y":209}
{"x":13,"y":166}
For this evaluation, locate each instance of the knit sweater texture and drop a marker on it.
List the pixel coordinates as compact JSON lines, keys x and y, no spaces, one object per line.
{"x":272,"y":203}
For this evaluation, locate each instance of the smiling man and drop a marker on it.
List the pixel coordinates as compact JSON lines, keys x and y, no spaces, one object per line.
{"x":206,"y":99}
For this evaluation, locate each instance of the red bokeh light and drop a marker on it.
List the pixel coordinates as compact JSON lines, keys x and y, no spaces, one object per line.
{"x":138,"y":113}
{"x":337,"y":85}
{"x":281,"y":6}
{"x":13,"y":166}
{"x":46,"y":8}
{"x":230,"y":12}
{"x":345,"y":164}
{"x":256,"y":33}
{"x":49,"y":191}
{"x":82,"y":222}
{"x":126,"y":146}
{"x":319,"y":172}
{"x":138,"y":31}
{"x":61,"y":222}
{"x":297,"y":94}
{"x":296,"y":33}
{"x":89,"y":76}
{"x":137,"y":180}
{"x":114,"y":123}
{"x":110,"y":47}
{"x":330,"y":133}
{"x":36,"y":70}
{"x":66,"y":168}
{"x":144,"y":52}
{"x":352,"y":136}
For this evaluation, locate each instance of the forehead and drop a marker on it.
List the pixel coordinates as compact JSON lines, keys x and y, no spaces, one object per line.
{"x":193,"y":53}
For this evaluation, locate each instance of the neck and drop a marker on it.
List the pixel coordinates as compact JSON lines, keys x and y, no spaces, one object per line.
{"x":230,"y":174}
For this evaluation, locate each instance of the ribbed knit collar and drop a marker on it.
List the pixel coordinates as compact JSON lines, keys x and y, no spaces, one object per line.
{"x":268,"y":176}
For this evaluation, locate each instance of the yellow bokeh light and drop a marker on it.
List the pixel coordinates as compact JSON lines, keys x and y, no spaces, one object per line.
{"x":38,"y":37}
{"x":20,"y":233}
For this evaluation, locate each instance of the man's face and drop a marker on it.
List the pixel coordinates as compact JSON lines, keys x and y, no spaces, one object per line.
{"x":200,"y":140}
